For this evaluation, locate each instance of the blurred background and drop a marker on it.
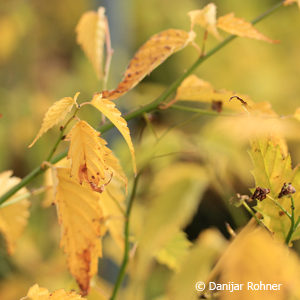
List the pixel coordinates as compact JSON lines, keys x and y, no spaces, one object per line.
{"x":40,"y":63}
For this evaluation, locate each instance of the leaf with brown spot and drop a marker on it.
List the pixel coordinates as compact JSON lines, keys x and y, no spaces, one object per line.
{"x":206,"y":18}
{"x":39,"y":293}
{"x":91,"y":37}
{"x":91,"y":160}
{"x":81,"y":220}
{"x":13,"y":216}
{"x":108,"y":108}
{"x":240,"y":27}
{"x":153,"y":53}
{"x":55,"y":114}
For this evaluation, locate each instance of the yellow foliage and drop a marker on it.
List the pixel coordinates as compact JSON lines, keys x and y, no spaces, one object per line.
{"x":109,"y":110}
{"x":254,"y":256}
{"x":206,"y":18}
{"x":153,"y":53}
{"x":55,"y":114}
{"x":81,"y":220}
{"x":91,"y":37}
{"x":240,"y":27}
{"x":288,"y":2}
{"x":271,"y":170}
{"x":174,"y":251}
{"x":199,"y":90}
{"x":196,"y":265}
{"x":297,"y":114}
{"x":39,"y":293}
{"x":13,"y":216}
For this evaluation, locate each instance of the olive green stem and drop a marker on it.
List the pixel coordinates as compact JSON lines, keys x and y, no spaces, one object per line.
{"x":122,"y":271}
{"x":139,"y":112}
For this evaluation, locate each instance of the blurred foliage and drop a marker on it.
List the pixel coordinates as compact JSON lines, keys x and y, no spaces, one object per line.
{"x":40,"y":63}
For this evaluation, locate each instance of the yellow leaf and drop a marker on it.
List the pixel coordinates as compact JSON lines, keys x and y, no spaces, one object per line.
{"x":198,"y":90}
{"x":297,"y":114}
{"x":55,"y":114}
{"x":81,"y":221}
{"x":206,"y":18}
{"x":91,"y":37}
{"x":39,"y":293}
{"x":178,"y":191}
{"x":240,"y":27}
{"x":254,"y":257}
{"x":154,"y":52}
{"x":13,"y":216}
{"x":108,"y":108}
{"x":271,"y":171}
{"x":174,"y":251}
{"x":112,"y":204}
{"x":87,"y":155}
{"x":196,"y":265}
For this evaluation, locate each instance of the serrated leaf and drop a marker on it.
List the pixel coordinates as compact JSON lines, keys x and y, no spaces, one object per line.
{"x":88,"y":155}
{"x":108,"y":108}
{"x":174,"y":251}
{"x":39,"y":293}
{"x":91,"y":37}
{"x":297,"y":114}
{"x":55,"y":114}
{"x":153,"y":53}
{"x":81,"y":220}
{"x":13,"y":216}
{"x":206,"y":18}
{"x":240,"y":27}
{"x":271,"y":170}
{"x":196,"y":89}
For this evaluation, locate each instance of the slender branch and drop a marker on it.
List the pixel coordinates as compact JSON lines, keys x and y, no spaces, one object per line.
{"x":126,"y":240}
{"x":201,"y":111}
{"x":292,"y":227}
{"x":139,"y":112}
{"x":253,"y":214}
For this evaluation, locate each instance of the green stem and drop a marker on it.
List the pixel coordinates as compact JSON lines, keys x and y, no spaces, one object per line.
{"x":201,"y":111}
{"x":126,"y":240}
{"x":139,"y":112}
{"x":253,"y":214}
{"x":293,"y":227}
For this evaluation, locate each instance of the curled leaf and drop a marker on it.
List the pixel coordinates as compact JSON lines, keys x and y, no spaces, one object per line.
{"x":240,"y":27}
{"x":13,"y":216}
{"x":206,"y":18}
{"x":91,"y":37}
{"x":55,"y":114}
{"x":153,"y":53}
{"x":108,"y":108}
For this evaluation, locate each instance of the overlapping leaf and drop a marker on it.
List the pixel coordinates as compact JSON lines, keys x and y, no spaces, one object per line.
{"x":271,"y":170}
{"x":206,"y":18}
{"x":196,"y":89}
{"x":88,"y":155}
{"x":39,"y":293}
{"x":13,"y":216}
{"x":154,"y":52}
{"x":111,"y":202}
{"x":240,"y":27}
{"x":108,"y":108}
{"x":81,"y":220}
{"x":91,"y":37}
{"x":55,"y":114}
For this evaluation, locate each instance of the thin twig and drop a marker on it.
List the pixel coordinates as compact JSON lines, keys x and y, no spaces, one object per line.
{"x":126,"y":240}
